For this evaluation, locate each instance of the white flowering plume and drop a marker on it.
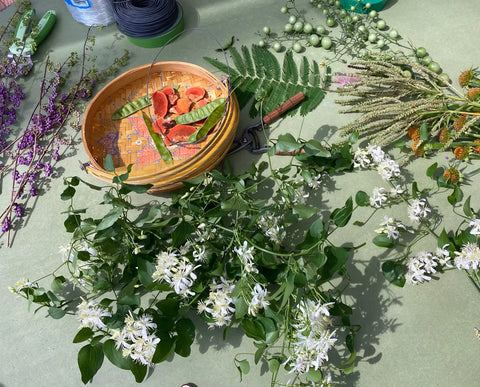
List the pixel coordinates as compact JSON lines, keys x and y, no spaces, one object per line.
{"x":176,"y":271}
{"x":218,"y":307}
{"x":468,"y":258}
{"x":246,"y":256}
{"x":90,"y":315}
{"x":312,"y":338}
{"x":137,"y":339}
{"x":421,"y":266}
{"x":259,"y":300}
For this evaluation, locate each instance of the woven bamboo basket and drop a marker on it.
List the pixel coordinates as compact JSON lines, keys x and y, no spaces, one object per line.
{"x":128,"y":141}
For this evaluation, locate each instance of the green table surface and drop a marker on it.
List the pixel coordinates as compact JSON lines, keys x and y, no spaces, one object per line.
{"x":415,"y":336}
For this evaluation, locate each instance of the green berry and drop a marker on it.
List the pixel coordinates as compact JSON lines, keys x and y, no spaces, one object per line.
{"x":284,"y":9}
{"x":292,"y":19}
{"x":380,"y":43}
{"x":298,"y":26}
{"x":277,"y":47}
{"x":372,"y":37}
{"x":373,"y":14}
{"x":266,"y":30}
{"x":297,"y":47}
{"x":288,"y":27}
{"x":261,"y":43}
{"x":381,"y":25}
{"x":337,"y":3}
{"x":426,"y":60}
{"x":435,"y":67}
{"x":393,"y":34}
{"x":326,"y":42}
{"x":330,"y":22}
{"x":307,"y":28}
{"x":420,"y":52}
{"x":321,"y":30}
{"x":314,"y":40}
{"x":368,"y":5}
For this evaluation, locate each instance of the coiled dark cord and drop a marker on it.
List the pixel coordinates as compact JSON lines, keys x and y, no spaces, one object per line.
{"x":144,"y":18}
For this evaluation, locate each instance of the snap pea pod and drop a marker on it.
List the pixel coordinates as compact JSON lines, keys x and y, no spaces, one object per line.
{"x":132,"y":107}
{"x":208,"y":124}
{"x":200,"y":113}
{"x":157,"y":140}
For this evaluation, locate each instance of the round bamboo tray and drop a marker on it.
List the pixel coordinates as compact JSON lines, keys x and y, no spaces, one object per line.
{"x":128,"y":140}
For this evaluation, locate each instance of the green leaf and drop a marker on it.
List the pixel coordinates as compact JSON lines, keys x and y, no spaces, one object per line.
{"x":254,"y":329}
{"x":443,"y":240}
{"x":394,"y":273}
{"x":157,"y":140}
{"x":243,"y":367}
{"x":286,"y":143}
{"x":56,"y":313}
{"x":108,"y":163}
{"x":169,"y":306}
{"x":336,"y":259}
{"x":304,"y":211}
{"x":68,"y":193}
{"x":145,"y":271}
{"x":90,"y":360}
{"x":467,"y":209}
{"x":57,"y":283}
{"x":72,"y":222}
{"x":110,"y":218}
{"x":317,"y":229}
{"x":431,"y":169}
{"x":83,"y":335}
{"x":341,"y":216}
{"x":362,"y":199}
{"x":165,"y":349}
{"x":383,"y":240}
{"x":314,"y":376}
{"x":115,"y":356}
{"x":456,"y":196}
{"x":126,"y":188}
{"x":273,"y":365}
{"x":424,"y":132}
{"x":235,"y":203}
{"x":261,"y":347}
{"x":139,"y":371}
{"x":185,"y":336}
{"x":181,"y":233}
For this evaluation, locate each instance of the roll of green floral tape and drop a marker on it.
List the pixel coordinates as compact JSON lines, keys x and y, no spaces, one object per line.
{"x":166,"y":37}
{"x":376,"y":5}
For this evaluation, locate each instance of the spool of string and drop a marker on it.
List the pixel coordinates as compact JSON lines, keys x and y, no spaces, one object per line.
{"x":91,"y":12}
{"x":144,"y":18}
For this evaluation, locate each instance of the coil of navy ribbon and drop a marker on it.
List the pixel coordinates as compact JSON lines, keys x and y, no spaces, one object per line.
{"x":144,"y":18}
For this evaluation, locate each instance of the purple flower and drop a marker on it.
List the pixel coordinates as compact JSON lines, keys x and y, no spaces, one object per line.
{"x":6,"y":224}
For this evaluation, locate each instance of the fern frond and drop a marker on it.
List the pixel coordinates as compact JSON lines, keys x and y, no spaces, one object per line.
{"x":266,"y":63}
{"x":259,"y":73}
{"x":248,"y":61}
{"x":289,"y":70}
{"x":238,"y":61}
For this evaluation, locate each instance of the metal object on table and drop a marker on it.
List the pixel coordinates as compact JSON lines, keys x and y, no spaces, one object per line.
{"x":28,"y":35}
{"x":249,"y":139}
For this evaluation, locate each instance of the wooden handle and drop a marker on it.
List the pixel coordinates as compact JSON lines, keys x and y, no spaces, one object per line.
{"x":287,"y":105}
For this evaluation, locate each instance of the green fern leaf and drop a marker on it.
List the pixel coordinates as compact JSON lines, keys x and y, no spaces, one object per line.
{"x":248,"y":61}
{"x":238,"y":61}
{"x":223,"y":67}
{"x":305,"y":71}
{"x":259,"y":75}
{"x":289,"y":70}
{"x":266,"y":63}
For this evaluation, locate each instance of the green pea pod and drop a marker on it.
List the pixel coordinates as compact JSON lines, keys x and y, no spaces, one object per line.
{"x":208,"y":124}
{"x":132,"y":107}
{"x":200,"y":113}
{"x":157,"y":140}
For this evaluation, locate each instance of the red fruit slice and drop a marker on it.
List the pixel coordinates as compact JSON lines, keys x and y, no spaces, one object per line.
{"x":195,"y":93}
{"x":180,"y":133}
{"x":160,"y":104}
{"x":183,"y":105}
{"x":167,"y":90}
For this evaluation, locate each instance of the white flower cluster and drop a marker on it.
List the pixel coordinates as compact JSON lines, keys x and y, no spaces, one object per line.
{"x":380,"y":195}
{"x":204,"y":233}
{"x":475,"y":225}
{"x":468,"y":258}
{"x":245,"y":254}
{"x":418,"y":210}
{"x":391,"y":227}
{"x":312,"y":338}
{"x":425,"y":263}
{"x":137,"y":339}
{"x":259,"y":300}
{"x":271,"y":228}
{"x":219,"y":306}
{"x":178,"y":272}
{"x":373,"y":155}
{"x":90,"y":314}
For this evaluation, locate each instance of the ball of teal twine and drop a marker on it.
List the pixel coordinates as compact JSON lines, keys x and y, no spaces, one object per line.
{"x":144,"y":18}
